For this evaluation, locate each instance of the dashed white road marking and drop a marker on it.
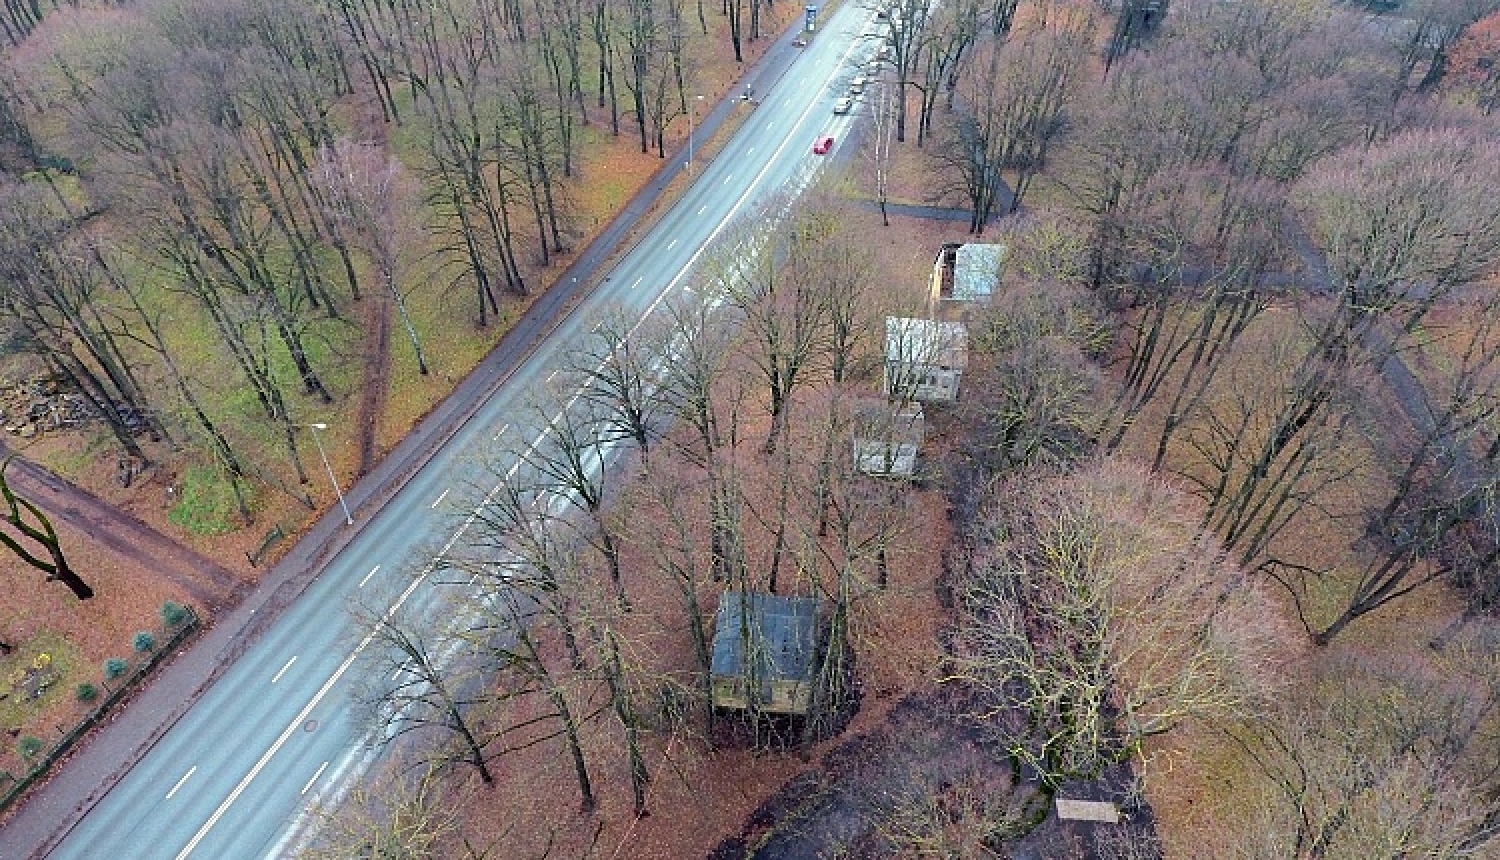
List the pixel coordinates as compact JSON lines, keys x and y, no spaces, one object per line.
{"x":284,"y":668}
{"x":368,"y":575}
{"x":321,"y":768}
{"x":672,"y":244}
{"x":192,"y":770}
{"x":501,"y":432}
{"x":702,"y":209}
{"x":444,"y":495}
{"x":638,"y":282}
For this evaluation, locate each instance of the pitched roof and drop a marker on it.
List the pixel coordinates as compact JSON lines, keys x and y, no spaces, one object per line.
{"x":926,"y":342}
{"x":976,"y":270}
{"x":781,"y":633}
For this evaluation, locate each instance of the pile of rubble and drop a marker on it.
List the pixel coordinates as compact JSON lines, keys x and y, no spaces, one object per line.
{"x":40,"y":406}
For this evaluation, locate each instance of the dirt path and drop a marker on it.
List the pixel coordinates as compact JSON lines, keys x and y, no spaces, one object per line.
{"x":375,"y":377}
{"x":208,"y":583}
{"x":374,"y":380}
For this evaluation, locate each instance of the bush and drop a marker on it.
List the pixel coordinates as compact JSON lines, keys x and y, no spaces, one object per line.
{"x":87,"y":692}
{"x":29,"y":747}
{"x":114,"y":667}
{"x":173,"y":614}
{"x":143,"y":642}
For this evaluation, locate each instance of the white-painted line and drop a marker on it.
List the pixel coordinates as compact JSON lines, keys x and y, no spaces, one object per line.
{"x":192,"y":770}
{"x":321,"y":768}
{"x":787,"y":103}
{"x":727,"y":178}
{"x":368,"y":575}
{"x":638,"y":282}
{"x":672,"y":244}
{"x":284,"y":668}
{"x":399,"y":669}
{"x":702,"y":209}
{"x":422,"y":576}
{"x":296,"y":724}
{"x":750,"y":151}
{"x":444,"y":495}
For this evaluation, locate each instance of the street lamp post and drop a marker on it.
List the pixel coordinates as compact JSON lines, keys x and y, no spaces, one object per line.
{"x":348,"y":518}
{"x":692,"y":115}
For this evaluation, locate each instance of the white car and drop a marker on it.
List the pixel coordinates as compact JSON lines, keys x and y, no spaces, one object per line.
{"x":843,"y":105}
{"x":857,"y":86}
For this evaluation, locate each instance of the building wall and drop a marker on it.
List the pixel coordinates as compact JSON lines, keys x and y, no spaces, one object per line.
{"x":787,"y":697}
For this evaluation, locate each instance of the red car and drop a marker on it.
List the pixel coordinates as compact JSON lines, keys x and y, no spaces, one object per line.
{"x":824,"y":144}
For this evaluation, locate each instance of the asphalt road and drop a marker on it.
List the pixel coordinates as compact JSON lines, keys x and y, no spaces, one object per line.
{"x":234,"y":776}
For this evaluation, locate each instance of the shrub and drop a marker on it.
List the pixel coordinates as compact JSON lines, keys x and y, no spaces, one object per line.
{"x":114,"y":667}
{"x":173,"y":614}
{"x":29,"y":747}
{"x":87,"y":692}
{"x":143,"y":642}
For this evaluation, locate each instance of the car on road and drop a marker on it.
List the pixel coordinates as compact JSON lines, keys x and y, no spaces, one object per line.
{"x":843,"y":105}
{"x":799,"y":43}
{"x":822,"y":145}
{"x":857,"y":86}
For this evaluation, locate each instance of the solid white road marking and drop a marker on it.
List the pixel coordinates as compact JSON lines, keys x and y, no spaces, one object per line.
{"x":284,"y":668}
{"x":444,"y":495}
{"x":314,"y":779}
{"x":192,"y":770}
{"x":368,"y":575}
{"x":307,"y":709}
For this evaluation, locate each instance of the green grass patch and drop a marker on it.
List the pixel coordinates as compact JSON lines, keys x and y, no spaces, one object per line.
{"x":39,"y":672}
{"x":207,"y":505}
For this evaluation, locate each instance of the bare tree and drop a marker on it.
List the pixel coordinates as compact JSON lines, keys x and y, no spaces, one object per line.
{"x":1376,"y":762}
{"x":569,"y":463}
{"x":622,"y":367}
{"x":783,"y":314}
{"x":530,"y":579}
{"x":1094,"y":618}
{"x":421,"y":681}
{"x":365,"y":192}
{"x":1036,"y":401}
{"x":55,"y":565}
{"x":1013,"y":95}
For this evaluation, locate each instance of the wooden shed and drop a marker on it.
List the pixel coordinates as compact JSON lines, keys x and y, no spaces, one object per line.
{"x":764,"y":652}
